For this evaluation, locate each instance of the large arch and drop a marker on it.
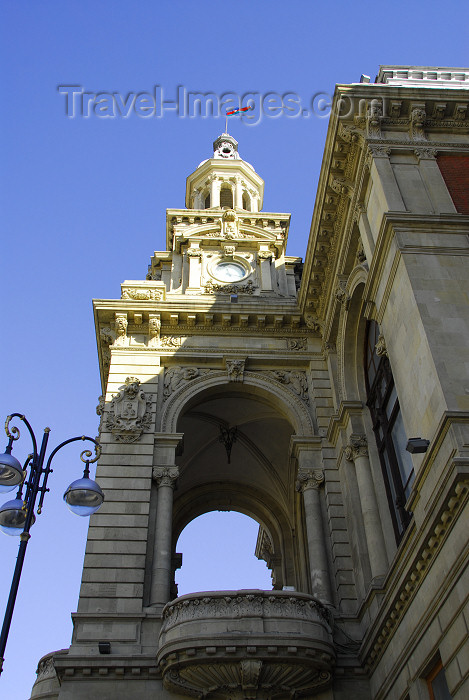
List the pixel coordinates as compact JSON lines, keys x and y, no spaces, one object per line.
{"x":264,"y":387}
{"x":258,"y":478}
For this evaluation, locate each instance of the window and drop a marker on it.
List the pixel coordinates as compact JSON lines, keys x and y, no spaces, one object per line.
{"x":246,"y":202}
{"x":226,"y":197}
{"x":388,"y":427}
{"x":437,"y":685}
{"x":207,"y":201}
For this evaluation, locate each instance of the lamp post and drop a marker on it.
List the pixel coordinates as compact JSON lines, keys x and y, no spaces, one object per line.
{"x":83,"y":497}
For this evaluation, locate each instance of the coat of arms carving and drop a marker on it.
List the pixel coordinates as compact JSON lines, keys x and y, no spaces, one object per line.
{"x":129,"y":412}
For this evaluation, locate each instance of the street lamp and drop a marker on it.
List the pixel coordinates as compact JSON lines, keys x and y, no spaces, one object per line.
{"x":83,"y":497}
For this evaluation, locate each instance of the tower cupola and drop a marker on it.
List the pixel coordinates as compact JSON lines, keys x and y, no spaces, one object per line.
{"x":225,"y":180}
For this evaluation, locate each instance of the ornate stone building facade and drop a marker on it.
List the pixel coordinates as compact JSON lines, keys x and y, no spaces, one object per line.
{"x":327,"y":399}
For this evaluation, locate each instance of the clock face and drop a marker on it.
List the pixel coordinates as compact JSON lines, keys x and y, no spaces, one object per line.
{"x":229,"y":272}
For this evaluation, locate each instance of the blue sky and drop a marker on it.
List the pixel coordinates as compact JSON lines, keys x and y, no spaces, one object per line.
{"x":83,"y":208}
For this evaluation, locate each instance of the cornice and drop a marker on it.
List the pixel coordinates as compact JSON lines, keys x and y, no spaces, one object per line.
{"x":411,"y":119}
{"x":115,"y":667}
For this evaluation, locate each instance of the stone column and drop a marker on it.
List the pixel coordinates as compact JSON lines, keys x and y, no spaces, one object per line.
{"x":357,"y":452}
{"x":383,"y":169}
{"x":238,"y":198}
{"x":194,"y":255}
{"x":309,"y":482}
{"x":433,"y":179}
{"x":215,"y":186}
{"x":265,"y":257}
{"x":165,"y":478}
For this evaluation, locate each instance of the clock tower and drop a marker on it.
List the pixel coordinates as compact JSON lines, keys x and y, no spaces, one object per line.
{"x":222,"y":243}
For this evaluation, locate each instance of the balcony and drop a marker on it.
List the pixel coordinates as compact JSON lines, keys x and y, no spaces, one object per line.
{"x":246,"y":644}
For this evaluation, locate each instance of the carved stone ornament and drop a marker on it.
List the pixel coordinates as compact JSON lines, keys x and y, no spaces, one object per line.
{"x":229,"y":250}
{"x":211,"y":288}
{"x":250,"y":671}
{"x":194,"y":253}
{"x":309,"y":479}
{"x":121,"y":325}
{"x":175,"y":376}
{"x":297,"y":343}
{"x":417,"y":122}
{"x":166,"y":476}
{"x":313,"y":323}
{"x":139,"y":294}
{"x":426,"y":153}
{"x":154,"y":328}
{"x":129,"y":412}
{"x":294,"y":380}
{"x":357,"y":447}
{"x":100,"y":412}
{"x":46,"y":669}
{"x":379,"y":151}
{"x":381,"y":349}
{"x":170,"y":341}
{"x":264,"y":254}
{"x":342,"y":295}
{"x":373,"y":119}
{"x":230,"y":224}
{"x":235,"y":369}
{"x":361,"y":257}
{"x":107,"y":336}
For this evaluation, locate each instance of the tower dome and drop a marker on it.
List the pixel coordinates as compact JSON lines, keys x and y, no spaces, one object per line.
{"x":225,"y":180}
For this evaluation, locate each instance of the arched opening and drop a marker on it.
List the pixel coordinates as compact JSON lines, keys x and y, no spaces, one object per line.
{"x":254,"y":473}
{"x":218,"y":551}
{"x":246,"y":202}
{"x":226,"y":197}
{"x":207,"y":201}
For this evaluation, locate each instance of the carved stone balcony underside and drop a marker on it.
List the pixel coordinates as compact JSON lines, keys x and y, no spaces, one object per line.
{"x":246,"y":644}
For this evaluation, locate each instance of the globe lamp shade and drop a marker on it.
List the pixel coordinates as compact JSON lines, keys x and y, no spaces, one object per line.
{"x":83,"y":497}
{"x":13,"y":517}
{"x":11,"y":473}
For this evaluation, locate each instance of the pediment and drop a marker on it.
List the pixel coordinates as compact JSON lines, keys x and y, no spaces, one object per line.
{"x":217,"y":231}
{"x":228,"y":224}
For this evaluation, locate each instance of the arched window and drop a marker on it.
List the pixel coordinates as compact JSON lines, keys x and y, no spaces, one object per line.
{"x":226,"y":197}
{"x":207,"y":201}
{"x":246,"y":202}
{"x":388,"y":427}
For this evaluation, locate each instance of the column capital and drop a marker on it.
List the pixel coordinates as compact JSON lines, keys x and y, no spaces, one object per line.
{"x":357,"y":447}
{"x":309,"y":479}
{"x":166,"y":475}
